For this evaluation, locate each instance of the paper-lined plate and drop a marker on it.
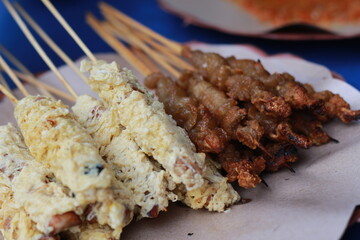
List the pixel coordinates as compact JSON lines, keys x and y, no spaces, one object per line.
{"x":230,"y":17}
{"x":314,"y":203}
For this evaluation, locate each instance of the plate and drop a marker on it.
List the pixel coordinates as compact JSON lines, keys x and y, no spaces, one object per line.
{"x":229,"y":17}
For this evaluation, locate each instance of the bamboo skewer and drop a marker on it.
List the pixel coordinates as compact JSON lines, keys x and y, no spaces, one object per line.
{"x":13,"y":77}
{"x":3,"y":82}
{"x":115,"y":44}
{"x":50,"y":42}
{"x":174,"y":59}
{"x":67,"y":27}
{"x":121,"y":30}
{"x":36,"y":46}
{"x":109,"y":10}
{"x":45,"y":86}
{"x":22,"y":68}
{"x":142,"y":56}
{"x":8,"y":94}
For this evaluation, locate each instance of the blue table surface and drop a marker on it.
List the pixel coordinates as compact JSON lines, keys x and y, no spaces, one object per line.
{"x":341,"y":56}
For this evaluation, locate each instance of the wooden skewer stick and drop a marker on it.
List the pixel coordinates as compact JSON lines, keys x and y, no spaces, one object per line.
{"x":37,"y":47}
{"x":67,"y":27}
{"x":121,"y":30}
{"x":8,"y":94}
{"x":174,"y":59}
{"x":3,"y":82}
{"x":45,"y":86}
{"x":21,"y":67}
{"x":142,"y":56}
{"x":120,"y":48}
{"x":50,"y":42}
{"x":109,"y":10}
{"x":13,"y":77}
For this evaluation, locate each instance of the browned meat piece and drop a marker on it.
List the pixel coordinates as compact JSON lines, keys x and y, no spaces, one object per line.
{"x":64,"y":221}
{"x":311,"y":127}
{"x":245,"y":88}
{"x":278,"y":130}
{"x":225,"y":110}
{"x":242,"y":166}
{"x":335,"y":106}
{"x":189,"y":114}
{"x":283,"y":153}
{"x":283,"y":85}
{"x":242,"y":87}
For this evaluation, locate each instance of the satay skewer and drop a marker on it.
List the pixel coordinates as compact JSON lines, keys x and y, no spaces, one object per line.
{"x":109,"y":10}
{"x":49,"y":41}
{"x":8,"y":94}
{"x":13,"y":77}
{"x":122,"y":31}
{"x":36,"y":45}
{"x":21,"y":67}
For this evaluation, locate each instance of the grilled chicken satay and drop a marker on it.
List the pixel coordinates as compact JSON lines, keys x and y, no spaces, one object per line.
{"x":283,"y":153}
{"x":25,"y":187}
{"x":335,"y":106}
{"x":278,"y":129}
{"x":189,"y":114}
{"x":225,"y":110}
{"x":216,"y":69}
{"x":145,"y":118}
{"x":311,"y":127}
{"x":143,"y":184}
{"x":242,"y":165}
{"x":57,"y":141}
{"x":282,"y":85}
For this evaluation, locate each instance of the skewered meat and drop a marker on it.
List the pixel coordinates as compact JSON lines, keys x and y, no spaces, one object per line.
{"x":311,"y":127}
{"x":189,"y":114}
{"x":140,"y":183}
{"x":283,"y":154}
{"x":145,"y":118}
{"x":60,"y":143}
{"x":283,"y":85}
{"x":278,"y":129}
{"x":224,"y":109}
{"x":335,"y":106}
{"x":242,"y":166}
{"x":238,"y":86}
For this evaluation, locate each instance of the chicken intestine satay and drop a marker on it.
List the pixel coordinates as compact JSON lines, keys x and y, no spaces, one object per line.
{"x":15,"y":221}
{"x":189,"y":114}
{"x":57,"y":141}
{"x":242,"y":166}
{"x":282,"y":85}
{"x":152,"y":129}
{"x":335,"y":106}
{"x":217,"y":70}
{"x":231,"y":117}
{"x":145,"y":185}
{"x":278,"y":130}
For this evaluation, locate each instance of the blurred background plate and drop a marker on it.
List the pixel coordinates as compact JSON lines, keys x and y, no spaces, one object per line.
{"x":230,"y":17}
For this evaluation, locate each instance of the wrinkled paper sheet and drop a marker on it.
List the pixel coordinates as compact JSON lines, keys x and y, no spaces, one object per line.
{"x":314,"y":203}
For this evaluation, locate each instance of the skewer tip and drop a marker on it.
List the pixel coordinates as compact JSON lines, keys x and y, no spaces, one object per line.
{"x":264,"y":182}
